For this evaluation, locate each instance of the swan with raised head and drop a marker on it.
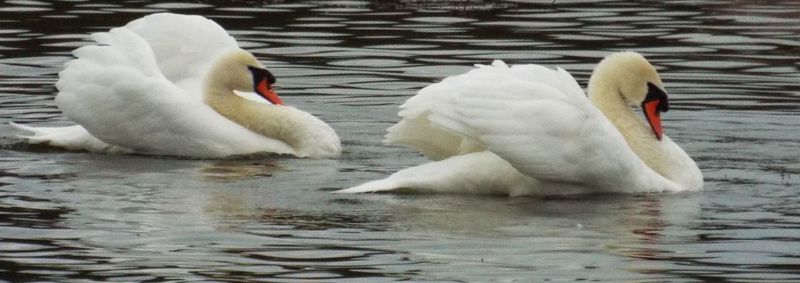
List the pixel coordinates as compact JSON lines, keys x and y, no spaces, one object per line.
{"x":169,"y":84}
{"x":530,"y":130}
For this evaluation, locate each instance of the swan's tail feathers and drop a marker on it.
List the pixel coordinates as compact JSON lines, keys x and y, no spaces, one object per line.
{"x":38,"y":135}
{"x":383,"y":185}
{"x":70,"y":137}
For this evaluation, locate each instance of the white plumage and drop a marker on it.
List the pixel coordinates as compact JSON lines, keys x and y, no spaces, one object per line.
{"x":147,"y":88}
{"x":530,"y":130}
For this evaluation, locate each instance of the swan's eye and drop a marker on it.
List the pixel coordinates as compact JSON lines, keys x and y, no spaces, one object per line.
{"x":262,"y":84}
{"x":656,"y":93}
{"x":260,"y":74}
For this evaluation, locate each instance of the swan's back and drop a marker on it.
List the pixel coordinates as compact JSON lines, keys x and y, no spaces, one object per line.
{"x":422,"y":127}
{"x":183,"y":45}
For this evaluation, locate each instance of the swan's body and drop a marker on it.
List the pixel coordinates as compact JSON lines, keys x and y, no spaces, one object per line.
{"x":530,"y":130}
{"x":165,"y":85}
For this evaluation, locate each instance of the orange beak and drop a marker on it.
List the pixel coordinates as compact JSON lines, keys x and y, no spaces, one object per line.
{"x":654,"y":103}
{"x":653,"y":117}
{"x":262,"y":85}
{"x":264,"y":89}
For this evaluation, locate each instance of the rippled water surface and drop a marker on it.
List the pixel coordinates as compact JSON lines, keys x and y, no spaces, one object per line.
{"x":731,"y":68}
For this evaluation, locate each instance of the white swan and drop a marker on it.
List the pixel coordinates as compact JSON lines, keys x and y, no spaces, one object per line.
{"x":530,"y":130}
{"x":167,"y":84}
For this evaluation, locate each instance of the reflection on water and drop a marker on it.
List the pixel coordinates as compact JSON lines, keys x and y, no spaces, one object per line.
{"x":730,"y":67}
{"x":239,"y":169}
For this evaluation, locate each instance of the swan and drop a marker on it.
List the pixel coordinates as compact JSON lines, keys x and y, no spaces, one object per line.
{"x":531,"y":130}
{"x":179,"y":85}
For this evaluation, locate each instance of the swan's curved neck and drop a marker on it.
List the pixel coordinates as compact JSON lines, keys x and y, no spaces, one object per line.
{"x":265,"y":119}
{"x":306,"y":134}
{"x":608,"y":99}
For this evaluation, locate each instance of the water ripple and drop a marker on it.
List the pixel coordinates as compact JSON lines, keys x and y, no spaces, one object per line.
{"x":730,"y":68}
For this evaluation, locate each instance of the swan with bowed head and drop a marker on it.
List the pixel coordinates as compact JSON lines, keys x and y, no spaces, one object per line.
{"x":531,"y":130}
{"x":179,"y":85}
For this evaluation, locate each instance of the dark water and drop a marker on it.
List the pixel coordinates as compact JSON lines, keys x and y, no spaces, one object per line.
{"x":731,"y":68}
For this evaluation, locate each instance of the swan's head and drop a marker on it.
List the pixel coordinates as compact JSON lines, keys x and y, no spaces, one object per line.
{"x":239,"y":70}
{"x":636,"y":80}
